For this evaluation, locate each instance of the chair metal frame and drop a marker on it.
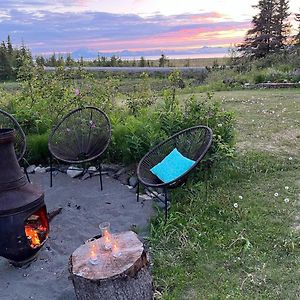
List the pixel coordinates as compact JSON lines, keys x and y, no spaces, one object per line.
{"x":204,"y":147}
{"x":78,"y":161}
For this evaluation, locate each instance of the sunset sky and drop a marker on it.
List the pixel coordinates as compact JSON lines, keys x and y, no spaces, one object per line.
{"x":106,"y":26}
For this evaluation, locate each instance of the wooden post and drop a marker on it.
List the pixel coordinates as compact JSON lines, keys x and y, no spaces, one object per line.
{"x":119,"y":274}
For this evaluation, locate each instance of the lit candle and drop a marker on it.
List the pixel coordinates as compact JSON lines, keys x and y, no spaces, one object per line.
{"x":116,"y":251}
{"x":93,"y":255}
{"x":106,"y":235}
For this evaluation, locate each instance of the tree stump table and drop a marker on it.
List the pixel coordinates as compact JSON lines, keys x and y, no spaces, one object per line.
{"x":124,"y":276}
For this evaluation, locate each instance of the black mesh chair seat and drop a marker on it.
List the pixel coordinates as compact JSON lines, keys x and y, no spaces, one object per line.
{"x":81,"y":136}
{"x":193,"y":143}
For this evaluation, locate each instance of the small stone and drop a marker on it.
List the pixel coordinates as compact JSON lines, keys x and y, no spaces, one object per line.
{"x":48,"y":169}
{"x":145,"y":197}
{"x":133,"y":181}
{"x":74,"y":172}
{"x":40,"y":170}
{"x":110,"y":167}
{"x":119,"y":173}
{"x":124,"y":178}
{"x":30,"y":169}
{"x":92,"y":169}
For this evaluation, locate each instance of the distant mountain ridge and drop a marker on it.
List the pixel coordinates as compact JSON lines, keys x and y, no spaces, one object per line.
{"x":89,"y":54}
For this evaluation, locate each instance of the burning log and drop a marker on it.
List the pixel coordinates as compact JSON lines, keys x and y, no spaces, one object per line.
{"x":116,"y":274}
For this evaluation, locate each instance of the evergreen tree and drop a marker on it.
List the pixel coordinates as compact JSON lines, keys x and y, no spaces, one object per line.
{"x":104,"y":61}
{"x":259,"y":39}
{"x":142,"y":62}
{"x":40,"y":61}
{"x":113,"y":61}
{"x":9,"y":47}
{"x":5,"y":66}
{"x":81,"y":62}
{"x":11,"y":59}
{"x":270,"y":29}
{"x":60,"y":61}
{"x":51,"y":62}
{"x":297,"y":37}
{"x":69,"y":61}
{"x":162,"y":61}
{"x":282,"y":27}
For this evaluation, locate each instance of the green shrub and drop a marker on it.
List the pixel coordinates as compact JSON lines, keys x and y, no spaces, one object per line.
{"x":259,"y":77}
{"x":37,"y":148}
{"x":138,"y":123}
{"x":133,"y":136}
{"x":46,"y":97}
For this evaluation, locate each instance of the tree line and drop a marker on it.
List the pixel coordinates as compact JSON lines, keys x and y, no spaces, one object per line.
{"x":270,"y":33}
{"x":271,"y":30}
{"x":12,"y":58}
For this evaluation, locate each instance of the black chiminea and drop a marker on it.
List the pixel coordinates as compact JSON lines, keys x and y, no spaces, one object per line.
{"x":24,"y":223}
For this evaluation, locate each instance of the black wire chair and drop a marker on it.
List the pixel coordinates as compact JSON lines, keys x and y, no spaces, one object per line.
{"x":80,"y":137}
{"x":193,"y":143}
{"x":8,"y":121}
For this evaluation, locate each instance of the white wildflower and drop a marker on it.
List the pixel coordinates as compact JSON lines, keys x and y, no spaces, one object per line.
{"x":235,"y":205}
{"x":276,"y":194}
{"x":240,"y":197}
{"x":290,"y":158}
{"x":286,"y":200}
{"x":286,"y":187}
{"x":220,"y":125}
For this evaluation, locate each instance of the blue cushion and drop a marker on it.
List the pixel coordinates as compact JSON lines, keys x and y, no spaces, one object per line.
{"x":172,"y":166}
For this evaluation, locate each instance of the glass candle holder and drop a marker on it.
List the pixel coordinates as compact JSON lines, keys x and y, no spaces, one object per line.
{"x":106,"y":236}
{"x":116,"y":251}
{"x":93,"y":254}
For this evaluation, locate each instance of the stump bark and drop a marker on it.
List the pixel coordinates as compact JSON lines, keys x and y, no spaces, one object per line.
{"x":124,"y":277}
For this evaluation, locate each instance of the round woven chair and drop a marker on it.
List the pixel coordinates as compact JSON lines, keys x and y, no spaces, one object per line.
{"x":8,"y":121}
{"x":193,"y":143}
{"x":81,"y":136}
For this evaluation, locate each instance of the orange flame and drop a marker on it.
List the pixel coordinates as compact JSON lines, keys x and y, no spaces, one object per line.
{"x":93,"y":254}
{"x":32,"y":235}
{"x":115,"y":248}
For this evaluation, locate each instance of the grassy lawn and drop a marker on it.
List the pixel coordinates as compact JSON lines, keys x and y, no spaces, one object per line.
{"x":243,"y":241}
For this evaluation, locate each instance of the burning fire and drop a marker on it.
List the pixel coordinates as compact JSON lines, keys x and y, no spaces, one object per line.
{"x":36,"y":228}
{"x":32,"y":235}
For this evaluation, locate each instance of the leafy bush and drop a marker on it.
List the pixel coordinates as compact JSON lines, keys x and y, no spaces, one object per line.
{"x":133,"y":136}
{"x":47,"y":96}
{"x":138,"y":123}
{"x":37,"y":145}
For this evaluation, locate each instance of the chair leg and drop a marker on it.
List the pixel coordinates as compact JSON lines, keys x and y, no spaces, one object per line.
{"x":206,"y":183}
{"x":51,"y":174}
{"x":100,"y":170}
{"x":138,"y":192}
{"x":26,"y":173}
{"x":166,"y":204}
